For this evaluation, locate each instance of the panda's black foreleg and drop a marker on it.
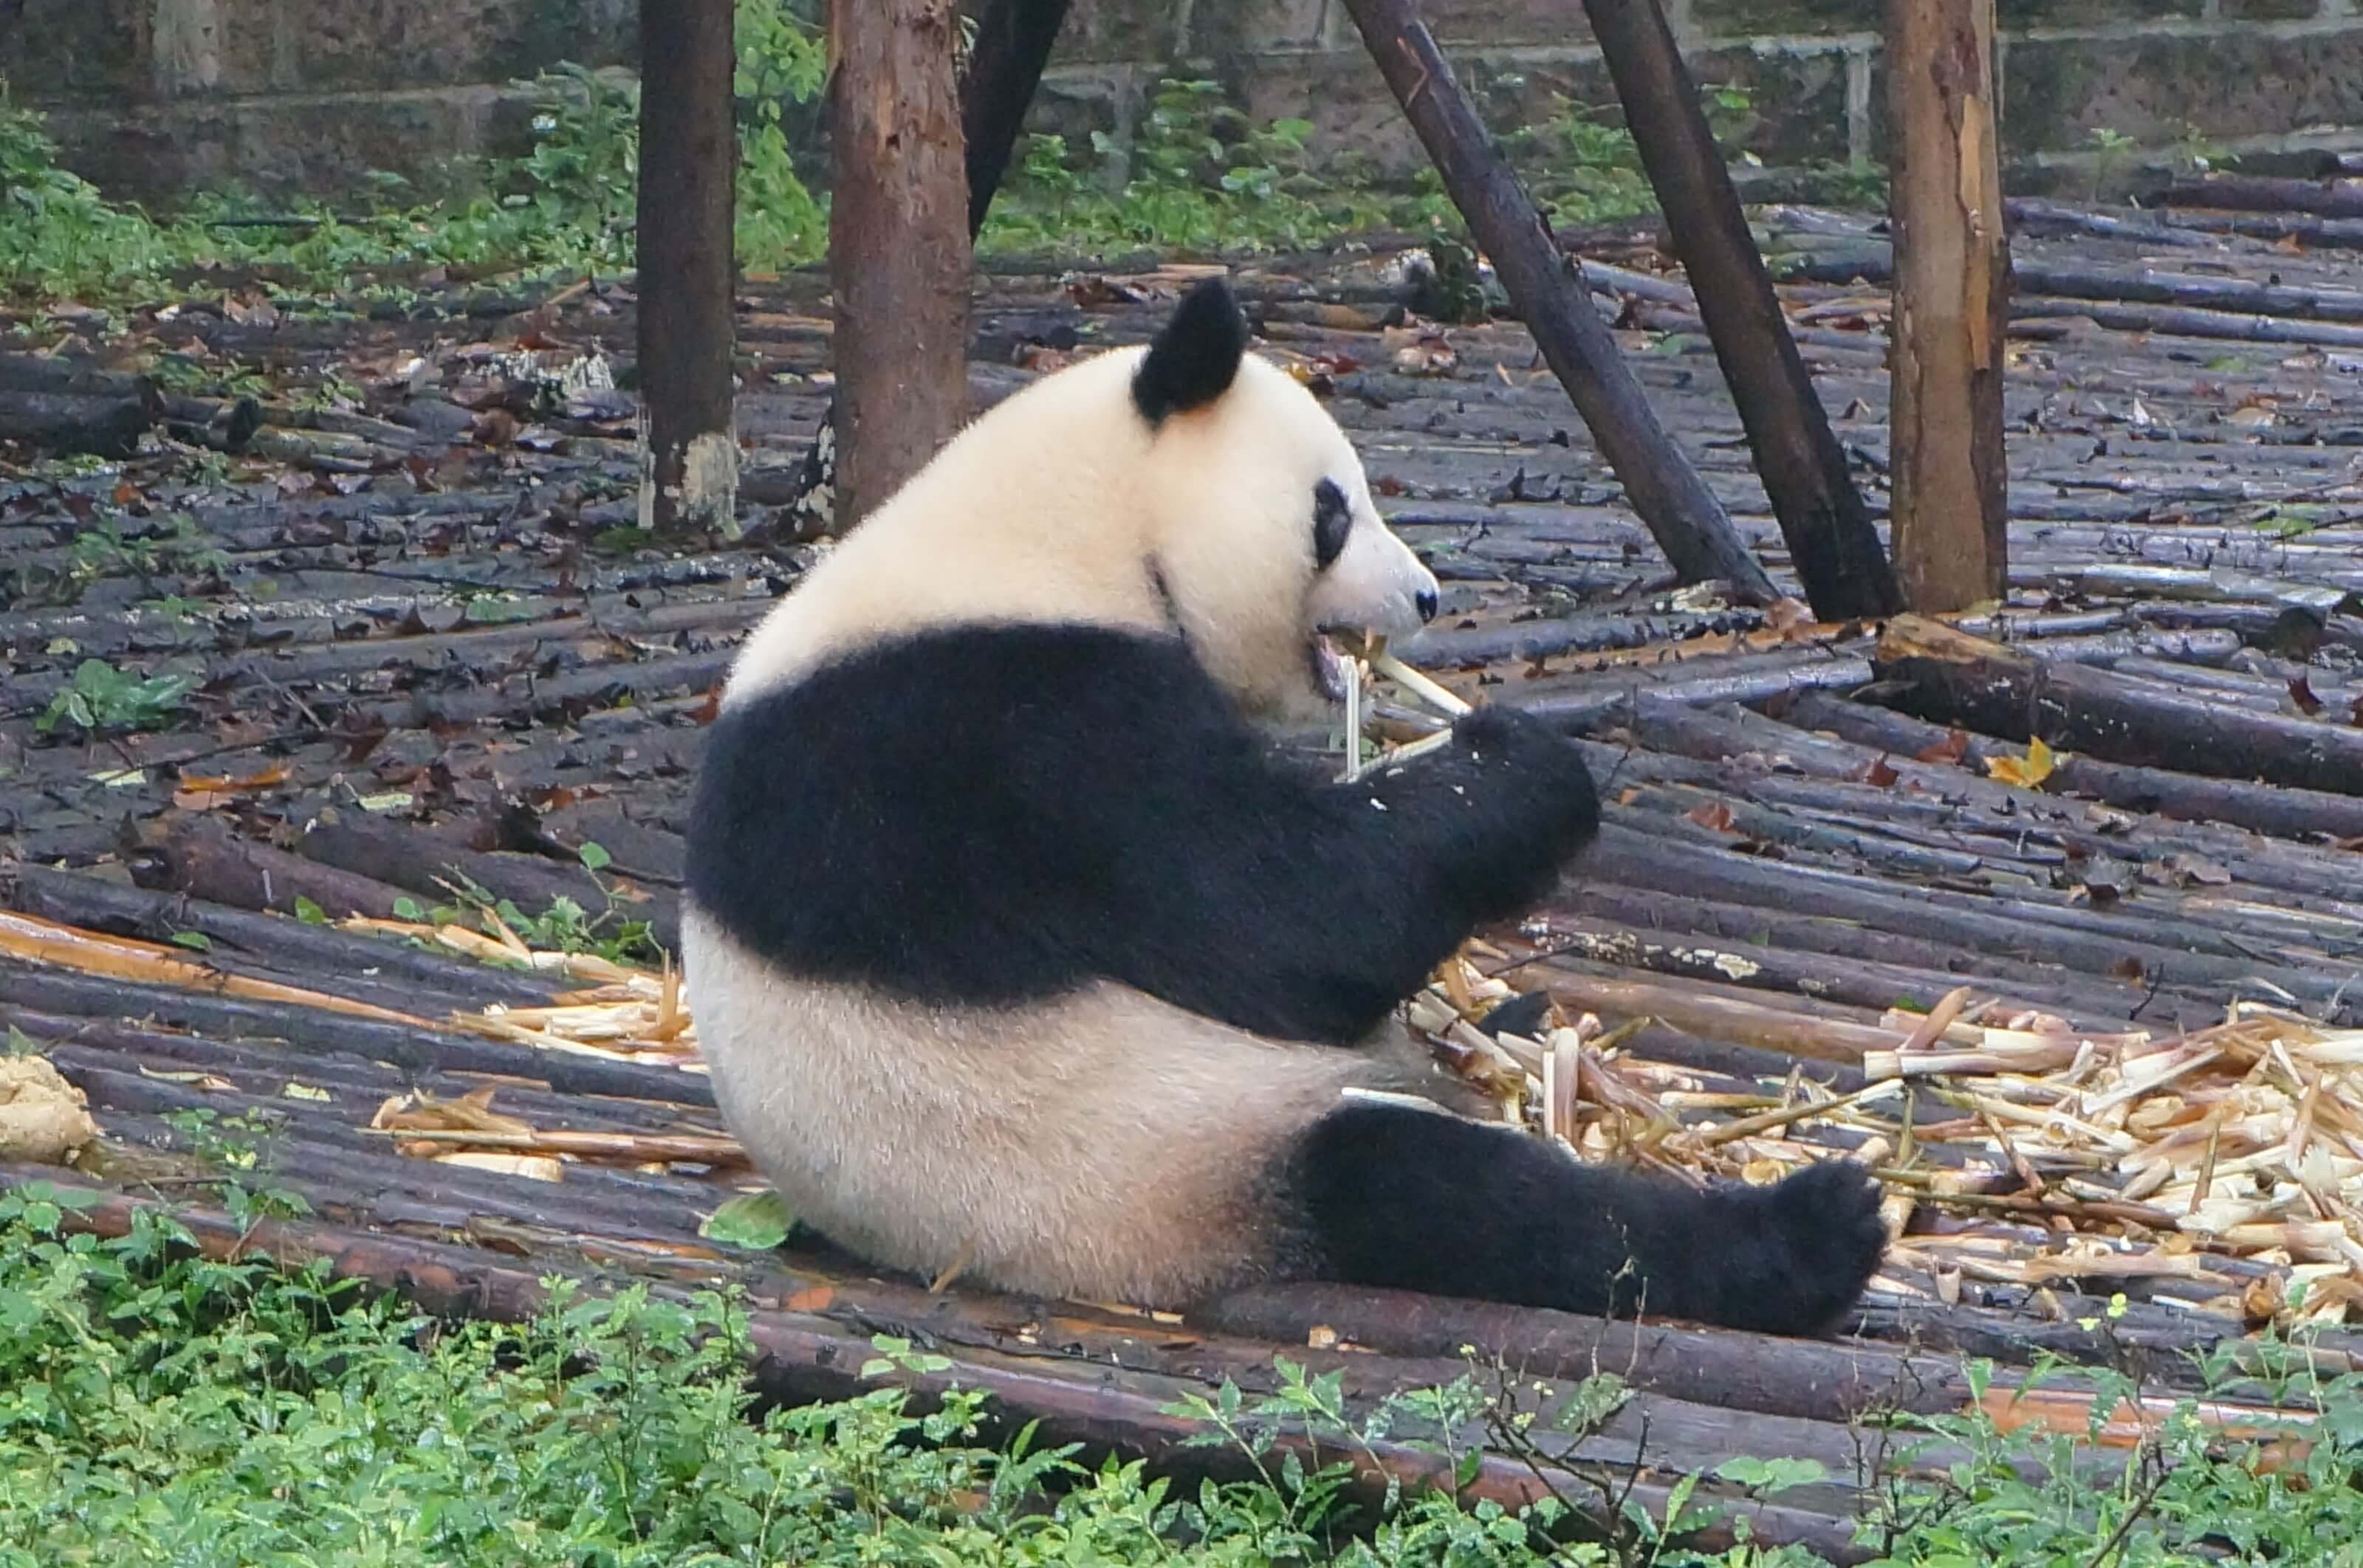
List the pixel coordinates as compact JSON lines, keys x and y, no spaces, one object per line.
{"x":1400,"y":1196}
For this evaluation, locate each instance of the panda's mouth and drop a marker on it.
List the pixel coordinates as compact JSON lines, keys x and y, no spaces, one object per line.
{"x":1330,"y":670}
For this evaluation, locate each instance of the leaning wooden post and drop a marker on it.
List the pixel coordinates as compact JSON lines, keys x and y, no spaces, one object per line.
{"x":1674,"y":503}
{"x":1831,"y":539}
{"x":1951,"y":528}
{"x":1005,"y":66}
{"x":688,"y":186}
{"x":898,"y":246}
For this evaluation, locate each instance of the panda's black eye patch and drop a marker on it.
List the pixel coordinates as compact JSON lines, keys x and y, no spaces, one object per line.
{"x":1331,"y":521}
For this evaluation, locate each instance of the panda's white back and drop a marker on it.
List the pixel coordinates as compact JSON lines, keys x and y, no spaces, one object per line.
{"x":1030,"y":512}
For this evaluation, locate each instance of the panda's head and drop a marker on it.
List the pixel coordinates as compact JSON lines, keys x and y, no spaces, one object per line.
{"x":1186,"y":486}
{"x":1260,"y":527}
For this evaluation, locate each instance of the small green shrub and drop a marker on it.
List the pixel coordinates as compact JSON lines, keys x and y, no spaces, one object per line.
{"x":157,"y":1408}
{"x":101,"y":697}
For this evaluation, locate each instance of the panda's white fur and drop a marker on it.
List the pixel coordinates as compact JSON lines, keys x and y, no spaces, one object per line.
{"x":1011,"y":703}
{"x":1061,"y":504}
{"x":1103,"y":1146}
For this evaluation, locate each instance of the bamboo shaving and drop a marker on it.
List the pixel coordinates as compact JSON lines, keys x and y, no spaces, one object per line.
{"x":2226,"y":1161}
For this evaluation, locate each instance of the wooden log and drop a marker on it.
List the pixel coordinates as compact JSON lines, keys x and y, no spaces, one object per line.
{"x":429,"y":867}
{"x":1927,"y":668}
{"x":44,"y":988}
{"x":1625,"y":854}
{"x":77,"y":898}
{"x":2297,"y":229}
{"x":2037,"y":218}
{"x":357,"y":1084}
{"x":2224,"y":584}
{"x":1668,"y":491}
{"x":1809,"y":1379}
{"x":1813,"y":1031}
{"x":1950,"y":516}
{"x":2042,"y":288}
{"x":1835,"y":550}
{"x":807,"y":1356}
{"x":1844,"y":977}
{"x":76,"y":375}
{"x":898,"y":245}
{"x":2149,"y":285}
{"x":2190,"y":321}
{"x":686,"y":255}
{"x":1582,"y":703}
{"x":2152,"y":1342}
{"x":1441,"y":646}
{"x":1013,"y":44}
{"x":604,"y":1201}
{"x":2167,"y":792}
{"x":2262,"y":194}
{"x":198,"y":855}
{"x":57,"y":422}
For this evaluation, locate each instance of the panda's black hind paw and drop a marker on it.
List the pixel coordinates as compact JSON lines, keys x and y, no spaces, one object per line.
{"x":1816,"y":1240}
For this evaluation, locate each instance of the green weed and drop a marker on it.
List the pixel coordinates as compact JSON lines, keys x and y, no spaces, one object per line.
{"x":160,"y":1408}
{"x":101,"y":697}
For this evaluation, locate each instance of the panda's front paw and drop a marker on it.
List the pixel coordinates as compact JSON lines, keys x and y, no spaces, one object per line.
{"x":1534,"y":771}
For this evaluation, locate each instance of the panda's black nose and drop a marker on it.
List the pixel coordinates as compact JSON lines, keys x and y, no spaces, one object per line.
{"x":1426,"y":600}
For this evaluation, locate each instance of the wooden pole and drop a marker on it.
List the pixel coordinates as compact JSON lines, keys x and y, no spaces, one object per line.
{"x":1952,"y":288}
{"x":689,"y":164}
{"x":1674,"y":503}
{"x":1005,"y":66}
{"x":1013,"y":44}
{"x":898,"y":245}
{"x":1831,"y":539}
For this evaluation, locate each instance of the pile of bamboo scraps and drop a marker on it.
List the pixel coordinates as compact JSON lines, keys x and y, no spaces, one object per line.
{"x":1583,"y":1083}
{"x":626,"y":1013}
{"x":2231,"y":1154}
{"x":468,"y":1131}
{"x":2225,"y":1162}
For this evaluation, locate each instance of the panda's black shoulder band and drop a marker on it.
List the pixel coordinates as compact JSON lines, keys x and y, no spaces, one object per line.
{"x":992,"y":816}
{"x":1195,"y":357}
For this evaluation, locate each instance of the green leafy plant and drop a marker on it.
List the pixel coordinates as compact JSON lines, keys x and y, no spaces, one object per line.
{"x":102,"y":697}
{"x":158,"y":1407}
{"x":565,"y":926}
{"x":55,"y":226}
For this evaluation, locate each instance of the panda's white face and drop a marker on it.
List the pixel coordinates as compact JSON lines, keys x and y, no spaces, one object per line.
{"x":1268,"y":542}
{"x":1368,"y":580}
{"x":1191,"y":485}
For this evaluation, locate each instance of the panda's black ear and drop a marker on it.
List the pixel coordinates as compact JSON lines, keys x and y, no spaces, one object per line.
{"x":1195,"y":357}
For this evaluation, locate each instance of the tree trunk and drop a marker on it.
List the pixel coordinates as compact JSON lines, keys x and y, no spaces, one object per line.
{"x":1013,"y":44}
{"x":1952,"y":288}
{"x":1837,"y":550}
{"x":898,"y":244}
{"x":689,"y":165}
{"x":1673,"y":500}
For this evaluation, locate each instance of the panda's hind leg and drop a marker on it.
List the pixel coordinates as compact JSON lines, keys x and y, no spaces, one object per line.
{"x":1401,"y":1197}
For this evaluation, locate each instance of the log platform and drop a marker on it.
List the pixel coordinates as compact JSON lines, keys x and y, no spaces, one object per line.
{"x":2052,"y":910}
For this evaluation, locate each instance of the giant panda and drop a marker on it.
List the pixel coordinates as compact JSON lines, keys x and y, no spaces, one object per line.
{"x":1016,"y":950}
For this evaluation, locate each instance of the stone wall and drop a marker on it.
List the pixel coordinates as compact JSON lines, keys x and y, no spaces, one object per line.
{"x":151,"y":97}
{"x":154,"y":97}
